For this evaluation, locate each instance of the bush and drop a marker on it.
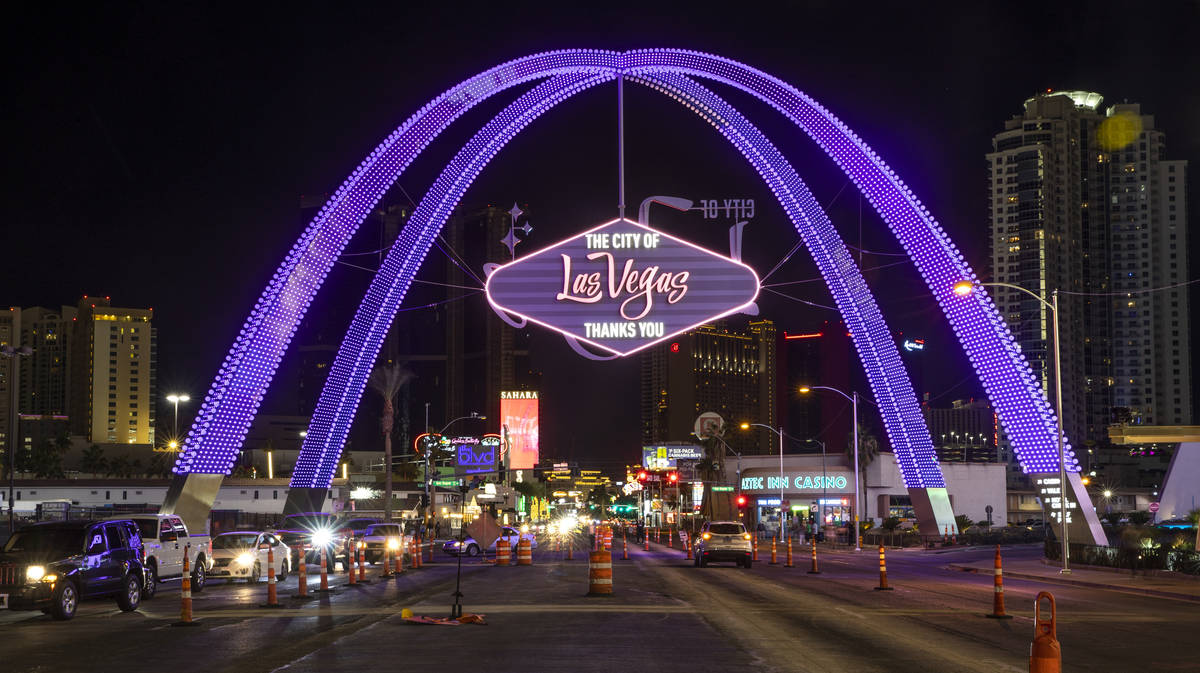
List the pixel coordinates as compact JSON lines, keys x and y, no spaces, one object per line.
{"x":1113,"y":518}
{"x":891,"y":523}
{"x":1139,"y":518}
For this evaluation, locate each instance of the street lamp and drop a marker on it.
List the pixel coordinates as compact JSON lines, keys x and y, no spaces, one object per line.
{"x":853,"y":399}
{"x":175,"y":399}
{"x":782,"y":481}
{"x":965,"y":288}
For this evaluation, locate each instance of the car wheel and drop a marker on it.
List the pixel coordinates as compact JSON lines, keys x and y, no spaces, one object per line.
{"x":255,"y":573}
{"x":151,"y":583}
{"x":131,"y":593}
{"x":199,"y":577}
{"x":283,"y":571}
{"x":702,"y":562}
{"x":472,"y":550}
{"x":65,"y":600}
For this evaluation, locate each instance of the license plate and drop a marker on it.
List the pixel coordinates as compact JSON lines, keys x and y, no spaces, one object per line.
{"x":3,"y":601}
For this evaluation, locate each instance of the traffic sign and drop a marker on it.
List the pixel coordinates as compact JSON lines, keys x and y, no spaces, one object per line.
{"x":1153,"y":508}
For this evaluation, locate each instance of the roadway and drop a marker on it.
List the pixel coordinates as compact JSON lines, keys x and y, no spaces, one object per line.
{"x":664,"y":613}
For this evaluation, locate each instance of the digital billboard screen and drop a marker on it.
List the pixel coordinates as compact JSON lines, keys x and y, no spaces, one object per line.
{"x":519,"y":417}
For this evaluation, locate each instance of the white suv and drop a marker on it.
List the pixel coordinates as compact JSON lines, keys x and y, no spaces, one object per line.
{"x":723,"y":541}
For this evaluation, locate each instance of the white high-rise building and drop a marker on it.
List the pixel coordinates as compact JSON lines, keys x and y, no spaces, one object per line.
{"x":1151,"y":358}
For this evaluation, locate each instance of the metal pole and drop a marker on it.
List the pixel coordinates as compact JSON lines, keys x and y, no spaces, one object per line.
{"x":1062,"y":466}
{"x":176,"y":404}
{"x":782,"y":515}
{"x":824,"y":487}
{"x":857,"y":499}
{"x":621,"y":146}
{"x":428,"y":495}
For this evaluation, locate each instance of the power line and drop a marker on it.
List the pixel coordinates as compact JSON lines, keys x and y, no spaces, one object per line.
{"x":1130,"y":292}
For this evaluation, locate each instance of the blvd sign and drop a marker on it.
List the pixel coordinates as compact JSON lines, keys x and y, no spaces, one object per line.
{"x":622,"y":287}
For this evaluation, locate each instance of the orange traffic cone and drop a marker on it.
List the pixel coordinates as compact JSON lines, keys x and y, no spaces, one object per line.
{"x":883,"y":585}
{"x":813,"y":545}
{"x":272,"y":592}
{"x":998,"y":591}
{"x":788,"y":564}
{"x":774,"y":558}
{"x":324,"y":574}
{"x":185,"y":592}
{"x":1045,"y":654}
{"x":301,"y":577}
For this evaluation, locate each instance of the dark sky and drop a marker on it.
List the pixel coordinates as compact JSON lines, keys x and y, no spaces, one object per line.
{"x":157,"y":152}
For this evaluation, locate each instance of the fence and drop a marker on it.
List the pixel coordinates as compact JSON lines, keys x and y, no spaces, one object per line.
{"x":1129,"y":558}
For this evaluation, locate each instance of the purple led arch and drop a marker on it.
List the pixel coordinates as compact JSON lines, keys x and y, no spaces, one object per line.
{"x":226,"y":412}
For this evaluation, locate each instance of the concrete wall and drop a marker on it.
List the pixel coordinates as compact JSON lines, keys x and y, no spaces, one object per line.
{"x":262,"y":496}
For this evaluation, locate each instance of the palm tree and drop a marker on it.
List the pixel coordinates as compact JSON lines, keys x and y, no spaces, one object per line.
{"x":93,"y":460}
{"x":388,"y":380}
{"x":868,"y":451}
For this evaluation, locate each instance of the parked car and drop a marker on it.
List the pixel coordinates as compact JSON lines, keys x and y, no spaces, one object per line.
{"x":379,"y":537}
{"x":312,"y":531}
{"x":51,"y":566}
{"x":356,"y":525}
{"x":472,"y":548}
{"x":244,"y":555}
{"x":723,"y":541}
{"x":166,"y":537}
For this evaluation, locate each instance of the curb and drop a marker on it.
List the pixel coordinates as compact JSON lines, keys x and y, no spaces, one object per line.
{"x":1081,"y":583}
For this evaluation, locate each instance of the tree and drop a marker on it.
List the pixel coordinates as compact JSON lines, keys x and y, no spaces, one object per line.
{"x":93,"y":460}
{"x":158,"y":467}
{"x":1193,"y":517}
{"x":868,"y":451}
{"x":120,"y":467}
{"x":388,"y":380}
{"x":46,"y":461}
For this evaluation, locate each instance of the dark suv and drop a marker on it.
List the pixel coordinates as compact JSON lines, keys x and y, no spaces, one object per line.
{"x":50,"y":566}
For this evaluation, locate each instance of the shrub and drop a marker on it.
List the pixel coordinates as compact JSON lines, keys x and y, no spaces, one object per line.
{"x":1139,"y":518}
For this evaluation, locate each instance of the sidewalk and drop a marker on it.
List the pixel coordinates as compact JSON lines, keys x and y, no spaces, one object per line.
{"x":1166,"y":587}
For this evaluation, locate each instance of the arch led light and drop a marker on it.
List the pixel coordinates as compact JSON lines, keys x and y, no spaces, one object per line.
{"x":622,"y":286}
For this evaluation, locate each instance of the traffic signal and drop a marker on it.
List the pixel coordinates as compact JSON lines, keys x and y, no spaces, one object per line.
{"x":424,"y":500}
{"x":741,"y":500}
{"x":673,"y":477}
{"x":642,"y":476}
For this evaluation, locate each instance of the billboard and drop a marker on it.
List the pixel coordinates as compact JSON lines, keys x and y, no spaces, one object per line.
{"x":519,"y":419}
{"x":665,"y":457}
{"x":622,"y":287}
{"x":473,"y":455}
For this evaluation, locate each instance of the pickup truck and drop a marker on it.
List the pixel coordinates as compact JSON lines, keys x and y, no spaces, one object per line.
{"x":164,"y":538}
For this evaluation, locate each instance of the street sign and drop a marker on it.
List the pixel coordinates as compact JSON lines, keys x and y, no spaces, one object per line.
{"x":1153,"y":508}
{"x":708,"y":424}
{"x":622,"y":286}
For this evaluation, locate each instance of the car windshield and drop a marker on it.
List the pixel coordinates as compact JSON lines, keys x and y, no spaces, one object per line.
{"x":388,"y":529}
{"x":234,"y":541}
{"x":57,"y":542}
{"x":725,"y":529}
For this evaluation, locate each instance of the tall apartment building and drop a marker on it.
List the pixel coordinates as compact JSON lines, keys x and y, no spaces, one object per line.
{"x":1048,"y":214}
{"x":963,"y":432}
{"x":113,"y":369}
{"x":713,"y":368}
{"x":10,"y":330}
{"x":1148,"y":200}
{"x":45,"y":375}
{"x":1072,"y":211}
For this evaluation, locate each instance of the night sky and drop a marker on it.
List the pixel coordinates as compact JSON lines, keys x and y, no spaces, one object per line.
{"x":157,"y":153}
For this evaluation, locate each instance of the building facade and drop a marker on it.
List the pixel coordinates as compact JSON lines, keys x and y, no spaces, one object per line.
{"x":718,"y":368}
{"x":113,"y":367}
{"x":1084,"y":201}
{"x":964,"y":432}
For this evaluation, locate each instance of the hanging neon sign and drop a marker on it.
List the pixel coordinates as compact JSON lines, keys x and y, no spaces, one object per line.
{"x":622,"y":287}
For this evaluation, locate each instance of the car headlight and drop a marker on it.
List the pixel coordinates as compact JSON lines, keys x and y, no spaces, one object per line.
{"x":321,"y":538}
{"x":746,"y":536}
{"x":35,"y":573}
{"x":245,"y":560}
{"x":393,"y":544}
{"x":707,"y":536}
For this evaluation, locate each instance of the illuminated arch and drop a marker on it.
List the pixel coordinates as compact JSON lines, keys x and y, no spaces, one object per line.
{"x":225,"y":415}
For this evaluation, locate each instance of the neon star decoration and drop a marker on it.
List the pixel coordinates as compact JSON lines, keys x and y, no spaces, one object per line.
{"x":216,"y":436}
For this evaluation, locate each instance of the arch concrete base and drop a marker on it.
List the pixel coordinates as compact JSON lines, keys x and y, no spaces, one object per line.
{"x":932,"y":507}
{"x":1084,"y":527}
{"x":191,"y":497}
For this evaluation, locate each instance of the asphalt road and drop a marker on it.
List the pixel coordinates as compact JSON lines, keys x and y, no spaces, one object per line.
{"x":665,"y":615}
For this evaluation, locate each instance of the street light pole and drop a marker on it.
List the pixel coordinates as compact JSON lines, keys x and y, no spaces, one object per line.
{"x":782,"y":481}
{"x":853,"y":398}
{"x":964,"y":288}
{"x":175,"y":399}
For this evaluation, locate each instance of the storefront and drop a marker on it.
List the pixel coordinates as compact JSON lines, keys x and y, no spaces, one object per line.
{"x":812,"y":499}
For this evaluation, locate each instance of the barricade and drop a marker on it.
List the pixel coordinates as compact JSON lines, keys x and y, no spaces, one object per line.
{"x":625,"y":545}
{"x":774,"y":553}
{"x":503,"y":549}
{"x":1045,"y":654}
{"x":812,"y":542}
{"x":998,"y":591}
{"x":754,"y":548}
{"x":301,"y":577}
{"x":600,"y":574}
{"x":324,"y":573}
{"x":524,"y":552}
{"x":788,"y":561}
{"x":185,"y":592}
{"x":646,"y":541}
{"x":670,"y":538}
{"x":417,"y":561}
{"x":272,"y":591}
{"x":883,"y":585}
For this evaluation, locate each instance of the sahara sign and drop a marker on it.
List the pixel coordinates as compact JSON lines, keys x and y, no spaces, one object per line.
{"x":622,"y":287}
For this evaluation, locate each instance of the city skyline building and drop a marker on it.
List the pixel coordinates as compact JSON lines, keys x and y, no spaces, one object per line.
{"x":964,"y":432}
{"x":713,"y":368}
{"x":113,"y":369}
